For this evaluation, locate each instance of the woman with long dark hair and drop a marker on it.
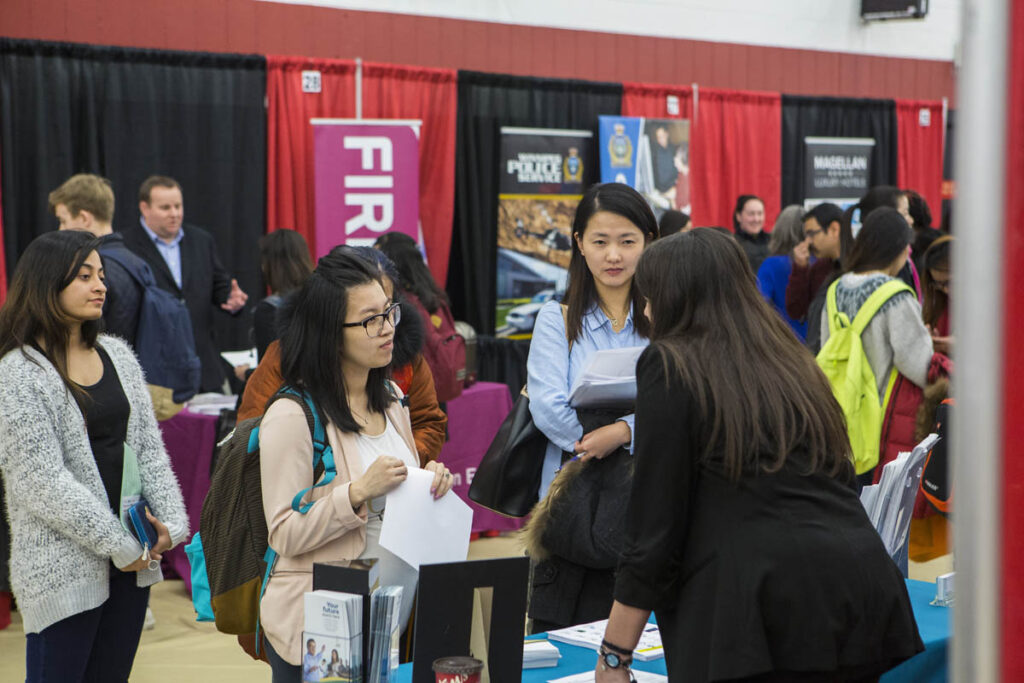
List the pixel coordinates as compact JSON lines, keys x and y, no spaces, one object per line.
{"x":896,"y":336}
{"x":935,"y":280}
{"x":285,"y":265}
{"x":76,"y":422}
{"x":336,"y":348}
{"x":745,"y":534}
{"x":408,"y":369}
{"x":444,"y":349}
{"x":601,"y":311}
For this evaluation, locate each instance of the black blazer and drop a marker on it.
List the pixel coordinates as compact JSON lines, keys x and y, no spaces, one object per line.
{"x":206,"y":284}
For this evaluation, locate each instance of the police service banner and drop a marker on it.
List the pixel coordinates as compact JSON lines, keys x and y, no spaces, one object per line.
{"x":541,"y":182}
{"x":837,"y":170}
{"x":367,"y":180}
{"x":650,"y":155}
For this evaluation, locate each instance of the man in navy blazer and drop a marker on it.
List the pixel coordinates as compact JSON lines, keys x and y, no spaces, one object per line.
{"x":185,"y":262}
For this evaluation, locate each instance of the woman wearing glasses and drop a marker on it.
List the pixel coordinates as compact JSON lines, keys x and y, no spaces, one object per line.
{"x":336,"y":347}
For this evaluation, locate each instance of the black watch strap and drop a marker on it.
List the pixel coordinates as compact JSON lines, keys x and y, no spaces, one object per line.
{"x":615,"y":648}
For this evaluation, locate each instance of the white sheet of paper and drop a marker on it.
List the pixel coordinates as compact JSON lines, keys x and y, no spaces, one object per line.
{"x":588,"y":677}
{"x":421,"y":530}
{"x":244,"y":357}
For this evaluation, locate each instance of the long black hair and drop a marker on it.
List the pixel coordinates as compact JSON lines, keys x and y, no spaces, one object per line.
{"x":32,"y":311}
{"x":936,"y":258}
{"x":581,"y":293}
{"x":284,"y":260}
{"x":884,"y":236}
{"x":761,"y":394}
{"x":313,"y":340}
{"x":877,"y":197}
{"x":416,"y":278}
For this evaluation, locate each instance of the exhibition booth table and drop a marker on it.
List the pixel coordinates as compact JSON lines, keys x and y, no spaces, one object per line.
{"x":930,"y":666}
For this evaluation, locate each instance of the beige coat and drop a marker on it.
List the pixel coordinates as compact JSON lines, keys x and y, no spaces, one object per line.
{"x":330,"y":531}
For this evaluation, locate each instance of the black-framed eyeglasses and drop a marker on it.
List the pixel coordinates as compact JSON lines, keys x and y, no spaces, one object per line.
{"x":812,"y":233}
{"x":374,"y":325}
{"x":941,"y":285}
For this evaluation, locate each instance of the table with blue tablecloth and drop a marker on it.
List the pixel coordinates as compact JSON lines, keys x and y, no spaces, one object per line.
{"x":930,"y":666}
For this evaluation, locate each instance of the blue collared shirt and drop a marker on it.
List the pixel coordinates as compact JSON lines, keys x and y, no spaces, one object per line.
{"x":552,"y":368}
{"x":171,"y":252}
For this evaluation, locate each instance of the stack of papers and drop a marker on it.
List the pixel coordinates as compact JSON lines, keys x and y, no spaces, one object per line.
{"x":385,"y":630}
{"x":890,"y":502}
{"x":334,"y":623}
{"x":211,"y":403}
{"x":538,"y":654}
{"x":608,"y":380}
{"x":591,"y":635}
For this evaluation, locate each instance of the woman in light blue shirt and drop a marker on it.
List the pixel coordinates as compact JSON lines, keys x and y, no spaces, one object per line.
{"x":601,"y":310}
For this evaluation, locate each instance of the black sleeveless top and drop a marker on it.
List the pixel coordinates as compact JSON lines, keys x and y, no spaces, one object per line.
{"x":106,"y":420}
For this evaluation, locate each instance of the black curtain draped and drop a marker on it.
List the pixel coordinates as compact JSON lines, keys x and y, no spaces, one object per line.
{"x":948,"y":166}
{"x":835,"y":117}
{"x":126,"y":114}
{"x":486,"y":103}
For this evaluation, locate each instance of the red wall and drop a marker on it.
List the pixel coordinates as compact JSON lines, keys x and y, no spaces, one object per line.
{"x":271,"y":28}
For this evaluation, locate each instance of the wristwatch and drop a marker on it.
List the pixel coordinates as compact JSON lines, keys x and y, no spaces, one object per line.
{"x":613,"y":660}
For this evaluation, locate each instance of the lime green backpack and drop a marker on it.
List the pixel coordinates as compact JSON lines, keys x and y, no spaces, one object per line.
{"x":846,"y":366}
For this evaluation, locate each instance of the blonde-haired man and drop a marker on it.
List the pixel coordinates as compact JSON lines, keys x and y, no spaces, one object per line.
{"x":85,"y":201}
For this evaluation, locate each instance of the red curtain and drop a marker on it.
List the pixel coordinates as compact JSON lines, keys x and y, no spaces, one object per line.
{"x":388,"y":92}
{"x":920,"y":151}
{"x":290,"y":137}
{"x":737,"y":149}
{"x":650,"y":100}
{"x":404,"y":92}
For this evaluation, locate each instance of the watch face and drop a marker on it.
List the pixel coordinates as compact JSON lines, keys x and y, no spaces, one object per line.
{"x":612,"y":660}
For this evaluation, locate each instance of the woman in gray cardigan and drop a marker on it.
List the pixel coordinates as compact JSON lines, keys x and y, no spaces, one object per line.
{"x":70,"y":401}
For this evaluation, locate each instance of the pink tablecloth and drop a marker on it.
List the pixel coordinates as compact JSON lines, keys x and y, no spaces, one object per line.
{"x":473,"y":420}
{"x":190,"y":439}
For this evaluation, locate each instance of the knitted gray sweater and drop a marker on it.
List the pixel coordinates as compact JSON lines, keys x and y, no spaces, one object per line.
{"x":896,"y":336}
{"x":63,"y":533}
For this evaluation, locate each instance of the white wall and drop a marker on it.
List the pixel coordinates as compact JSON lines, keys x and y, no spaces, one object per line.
{"x":832,"y":25}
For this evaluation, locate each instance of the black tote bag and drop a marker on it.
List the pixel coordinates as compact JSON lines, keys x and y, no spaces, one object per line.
{"x":508,"y":478}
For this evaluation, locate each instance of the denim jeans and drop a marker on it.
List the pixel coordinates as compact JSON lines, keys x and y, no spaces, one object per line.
{"x":96,"y":646}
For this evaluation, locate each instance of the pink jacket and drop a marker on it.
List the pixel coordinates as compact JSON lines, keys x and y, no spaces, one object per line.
{"x":330,"y":531}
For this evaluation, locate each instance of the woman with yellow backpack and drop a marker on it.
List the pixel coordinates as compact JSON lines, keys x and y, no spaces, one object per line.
{"x":872,"y":332}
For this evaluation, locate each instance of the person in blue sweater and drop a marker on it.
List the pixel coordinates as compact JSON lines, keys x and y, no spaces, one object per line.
{"x":773,"y":275}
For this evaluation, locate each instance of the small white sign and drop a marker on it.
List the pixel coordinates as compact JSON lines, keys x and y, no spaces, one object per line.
{"x":924,"y":117}
{"x":672,"y":105}
{"x":310,"y":81}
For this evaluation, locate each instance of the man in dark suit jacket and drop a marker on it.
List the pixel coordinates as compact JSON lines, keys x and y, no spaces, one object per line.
{"x":185,"y":262}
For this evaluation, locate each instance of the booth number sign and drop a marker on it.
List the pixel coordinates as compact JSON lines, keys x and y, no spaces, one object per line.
{"x":310,"y":81}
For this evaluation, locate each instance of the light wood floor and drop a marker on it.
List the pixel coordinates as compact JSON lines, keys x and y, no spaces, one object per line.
{"x":180,"y":649}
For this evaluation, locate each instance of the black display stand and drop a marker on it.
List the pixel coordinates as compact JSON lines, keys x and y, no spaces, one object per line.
{"x":356,"y":577}
{"x":444,"y":615}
